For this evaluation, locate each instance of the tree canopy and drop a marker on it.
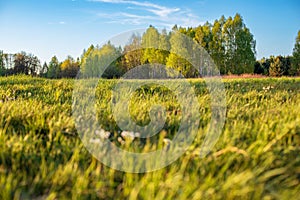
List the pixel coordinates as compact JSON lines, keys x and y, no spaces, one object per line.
{"x":295,"y":68}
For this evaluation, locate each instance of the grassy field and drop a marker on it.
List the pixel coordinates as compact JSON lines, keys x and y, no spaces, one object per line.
{"x":257,"y":155}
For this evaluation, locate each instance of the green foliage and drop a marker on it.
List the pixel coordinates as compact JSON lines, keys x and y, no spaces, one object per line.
{"x":203,"y":36}
{"x":280,"y":66}
{"x":258,"y":68}
{"x":228,"y":41}
{"x":44,"y":70}
{"x":256,"y":157}
{"x":263,"y":66}
{"x":180,"y":51}
{"x":54,"y":68}
{"x":274,"y":66}
{"x":132,"y":53}
{"x":2,"y":67}
{"x":69,"y":68}
{"x":239,"y":46}
{"x":102,"y":61}
{"x":87,"y":53}
{"x":150,"y":42}
{"x":217,"y":49}
{"x":26,"y":64}
{"x":295,"y":67}
{"x":230,"y":44}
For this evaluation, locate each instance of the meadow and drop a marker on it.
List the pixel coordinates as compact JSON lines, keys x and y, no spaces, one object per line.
{"x":256,"y":156}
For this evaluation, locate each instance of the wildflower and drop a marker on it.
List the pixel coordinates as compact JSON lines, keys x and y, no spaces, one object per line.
{"x":128,"y":135}
{"x":102,"y":134}
{"x":137,"y":135}
{"x":120,"y":140}
{"x":268,"y":88}
{"x":93,"y":140}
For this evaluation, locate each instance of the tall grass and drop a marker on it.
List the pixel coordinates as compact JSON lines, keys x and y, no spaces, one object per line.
{"x":257,"y":155}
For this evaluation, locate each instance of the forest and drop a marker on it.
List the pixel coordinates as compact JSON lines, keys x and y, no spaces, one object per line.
{"x":228,"y":41}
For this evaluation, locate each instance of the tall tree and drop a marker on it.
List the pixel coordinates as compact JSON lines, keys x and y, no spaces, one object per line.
{"x":181,"y":48}
{"x":53,"y":68}
{"x":8,"y":60}
{"x":2,"y":67}
{"x":69,"y":68}
{"x":164,"y":46}
{"x":239,"y":46}
{"x":26,"y":64}
{"x":111,"y":57}
{"x":217,"y":50}
{"x":102,"y":61}
{"x":44,"y":70}
{"x":204,"y":36}
{"x":295,"y":66}
{"x":150,"y":44}
{"x":155,"y":51}
{"x":133,"y":53}
{"x":87,"y":53}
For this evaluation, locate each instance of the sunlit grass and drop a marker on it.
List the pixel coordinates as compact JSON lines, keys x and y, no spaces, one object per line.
{"x":257,"y":155}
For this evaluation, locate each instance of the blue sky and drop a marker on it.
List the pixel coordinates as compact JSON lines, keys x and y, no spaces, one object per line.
{"x":65,"y":27}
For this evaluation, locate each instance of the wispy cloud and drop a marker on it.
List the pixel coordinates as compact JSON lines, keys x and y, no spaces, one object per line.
{"x":152,"y":14}
{"x":151,"y":7}
{"x":59,"y":23}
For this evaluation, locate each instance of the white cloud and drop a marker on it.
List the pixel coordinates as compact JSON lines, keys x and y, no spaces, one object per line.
{"x":54,"y":23}
{"x":153,"y":14}
{"x":163,"y":12}
{"x":151,"y":7}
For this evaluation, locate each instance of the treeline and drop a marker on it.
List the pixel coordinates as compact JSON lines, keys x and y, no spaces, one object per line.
{"x":228,"y":42}
{"x":20,"y":63}
{"x":280,"y":65}
{"x":28,"y":64}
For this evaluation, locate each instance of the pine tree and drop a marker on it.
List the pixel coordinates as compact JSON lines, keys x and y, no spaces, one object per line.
{"x":54,"y":68}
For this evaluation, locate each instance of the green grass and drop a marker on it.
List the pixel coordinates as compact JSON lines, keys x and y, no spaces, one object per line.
{"x":257,"y":155}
